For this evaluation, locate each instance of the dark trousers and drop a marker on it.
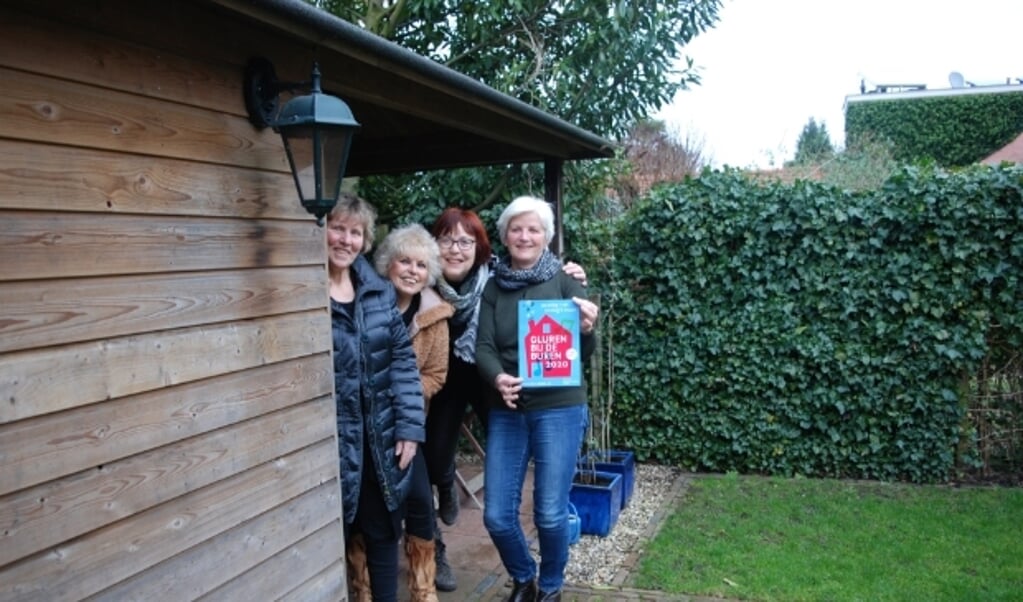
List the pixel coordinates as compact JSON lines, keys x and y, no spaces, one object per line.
{"x":419,"y":514}
{"x":443,"y":424}
{"x":381,"y":530}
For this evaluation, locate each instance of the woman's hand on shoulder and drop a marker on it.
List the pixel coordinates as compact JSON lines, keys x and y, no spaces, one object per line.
{"x":576,"y":271}
{"x":588,"y":311}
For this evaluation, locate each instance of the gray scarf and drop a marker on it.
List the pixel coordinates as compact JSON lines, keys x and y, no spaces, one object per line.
{"x":467,"y":311}
{"x":510,"y":279}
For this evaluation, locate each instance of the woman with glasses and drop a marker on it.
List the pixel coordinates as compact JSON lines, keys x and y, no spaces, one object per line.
{"x":465,"y":254}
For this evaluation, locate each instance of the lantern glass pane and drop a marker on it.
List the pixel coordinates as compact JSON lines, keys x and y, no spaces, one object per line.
{"x":307,"y":145}
{"x":334,"y":145}
{"x":299,"y":144}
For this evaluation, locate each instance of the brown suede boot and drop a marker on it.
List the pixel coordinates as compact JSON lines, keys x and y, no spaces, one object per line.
{"x":358,"y":571}
{"x":421,"y":569}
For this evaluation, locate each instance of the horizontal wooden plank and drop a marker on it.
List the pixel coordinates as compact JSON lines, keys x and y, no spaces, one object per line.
{"x":366,"y":79}
{"x":159,"y":26}
{"x":82,"y":567}
{"x":66,"y":245}
{"x":54,"y":312}
{"x":139,"y":47}
{"x":39,"y":108}
{"x":48,"y":47}
{"x":49,"y":447}
{"x":46,"y":515}
{"x":184,"y":29}
{"x":192,"y":574}
{"x":47,"y":380}
{"x":72,"y":179}
{"x":279,"y":574}
{"x":329,"y":585}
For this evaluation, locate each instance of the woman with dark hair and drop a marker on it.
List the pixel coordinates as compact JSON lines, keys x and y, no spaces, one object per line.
{"x":465,"y":253}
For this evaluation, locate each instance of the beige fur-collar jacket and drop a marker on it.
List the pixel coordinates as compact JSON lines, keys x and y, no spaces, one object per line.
{"x":429,"y":334}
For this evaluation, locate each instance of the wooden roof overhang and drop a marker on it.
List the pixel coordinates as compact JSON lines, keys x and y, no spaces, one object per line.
{"x":415,"y":114}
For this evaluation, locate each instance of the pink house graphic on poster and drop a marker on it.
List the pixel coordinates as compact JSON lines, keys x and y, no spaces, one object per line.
{"x":547,"y":341}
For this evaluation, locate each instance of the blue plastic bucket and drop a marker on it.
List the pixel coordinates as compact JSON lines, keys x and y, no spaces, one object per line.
{"x":574,"y":525}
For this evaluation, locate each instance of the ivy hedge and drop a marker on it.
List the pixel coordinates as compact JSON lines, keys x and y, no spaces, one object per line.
{"x":801,"y":329}
{"x":954,"y":131}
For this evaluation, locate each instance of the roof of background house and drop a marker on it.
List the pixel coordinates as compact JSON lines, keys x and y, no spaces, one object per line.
{"x":1012,"y":152}
{"x":924,"y":93}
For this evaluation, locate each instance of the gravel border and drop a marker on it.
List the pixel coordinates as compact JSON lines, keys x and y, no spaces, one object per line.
{"x":609,"y":561}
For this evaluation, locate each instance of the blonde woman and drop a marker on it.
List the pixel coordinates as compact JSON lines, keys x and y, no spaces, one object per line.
{"x":380,"y":416}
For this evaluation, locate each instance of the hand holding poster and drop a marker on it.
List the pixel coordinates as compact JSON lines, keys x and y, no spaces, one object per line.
{"x":549,"y":343}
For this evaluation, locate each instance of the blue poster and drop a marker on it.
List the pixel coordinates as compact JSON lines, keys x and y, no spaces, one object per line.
{"x":549,"y":346}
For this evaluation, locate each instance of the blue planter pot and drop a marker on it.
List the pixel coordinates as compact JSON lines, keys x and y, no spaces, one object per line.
{"x":618,"y":461}
{"x":597,"y":497}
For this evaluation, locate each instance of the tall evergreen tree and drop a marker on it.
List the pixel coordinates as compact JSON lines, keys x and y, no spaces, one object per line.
{"x":814,"y":144}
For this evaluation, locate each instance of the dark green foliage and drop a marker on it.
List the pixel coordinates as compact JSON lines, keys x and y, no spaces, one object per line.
{"x":800,"y":329}
{"x":954,"y":131}
{"x":597,"y":64}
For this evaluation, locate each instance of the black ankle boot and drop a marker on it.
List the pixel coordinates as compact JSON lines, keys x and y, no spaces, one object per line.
{"x":548,"y":596}
{"x":523,"y":592}
{"x":447,"y":504}
{"x":444,"y":580}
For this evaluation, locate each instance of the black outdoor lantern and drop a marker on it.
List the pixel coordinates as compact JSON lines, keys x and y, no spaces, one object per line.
{"x":316,"y":128}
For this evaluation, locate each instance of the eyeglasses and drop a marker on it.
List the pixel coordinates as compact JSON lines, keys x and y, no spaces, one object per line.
{"x":464,"y":244}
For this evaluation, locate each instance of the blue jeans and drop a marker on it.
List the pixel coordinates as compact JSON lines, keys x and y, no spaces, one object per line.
{"x":552,"y":438}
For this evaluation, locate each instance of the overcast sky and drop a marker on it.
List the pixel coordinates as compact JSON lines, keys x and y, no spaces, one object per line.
{"x":770,"y":65}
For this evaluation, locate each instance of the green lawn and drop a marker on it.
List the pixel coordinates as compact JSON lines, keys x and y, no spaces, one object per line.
{"x":759,"y":538}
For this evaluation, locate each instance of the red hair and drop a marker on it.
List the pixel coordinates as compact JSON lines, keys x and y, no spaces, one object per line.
{"x":452,"y":217}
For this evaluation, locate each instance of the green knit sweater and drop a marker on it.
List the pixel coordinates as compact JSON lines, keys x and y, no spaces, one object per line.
{"x":497,"y":342}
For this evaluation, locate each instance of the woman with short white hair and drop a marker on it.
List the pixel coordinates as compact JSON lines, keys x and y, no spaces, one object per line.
{"x":545,"y":425}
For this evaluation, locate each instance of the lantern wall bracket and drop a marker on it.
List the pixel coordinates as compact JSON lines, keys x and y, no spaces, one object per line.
{"x":262,"y":91}
{"x":316,"y":131}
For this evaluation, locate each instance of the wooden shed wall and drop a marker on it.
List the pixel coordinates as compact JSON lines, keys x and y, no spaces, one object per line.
{"x":166,"y":416}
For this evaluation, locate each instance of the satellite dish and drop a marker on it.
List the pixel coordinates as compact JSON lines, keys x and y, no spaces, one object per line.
{"x":956,"y":79}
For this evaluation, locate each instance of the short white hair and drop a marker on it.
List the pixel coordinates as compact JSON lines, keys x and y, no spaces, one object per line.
{"x":527,"y":204}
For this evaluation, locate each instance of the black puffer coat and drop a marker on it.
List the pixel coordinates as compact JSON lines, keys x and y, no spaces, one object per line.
{"x":378,"y":393}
